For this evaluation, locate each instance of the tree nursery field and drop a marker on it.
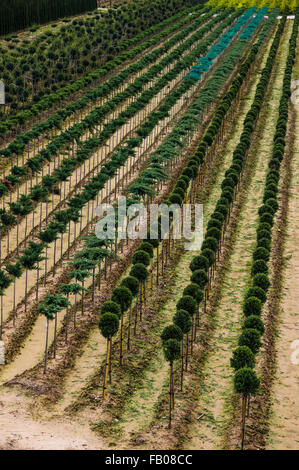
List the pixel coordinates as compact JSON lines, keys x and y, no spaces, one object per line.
{"x":149,"y":226}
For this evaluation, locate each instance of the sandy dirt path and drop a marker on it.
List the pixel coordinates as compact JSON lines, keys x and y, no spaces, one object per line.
{"x":22,"y":427}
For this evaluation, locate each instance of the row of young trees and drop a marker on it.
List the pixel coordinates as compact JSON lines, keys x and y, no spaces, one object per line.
{"x":203,"y":266}
{"x":55,"y":121}
{"x":110,"y":168}
{"x":72,"y":54}
{"x":243,"y":360}
{"x":98,"y":114}
{"x":207,"y":61}
{"x":17,"y":14}
{"x":140,"y":189}
{"x":130,"y":49}
{"x":63,"y":218}
{"x":142,"y":258}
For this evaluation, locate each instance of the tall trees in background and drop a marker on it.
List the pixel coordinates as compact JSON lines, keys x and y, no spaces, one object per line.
{"x":19,"y":14}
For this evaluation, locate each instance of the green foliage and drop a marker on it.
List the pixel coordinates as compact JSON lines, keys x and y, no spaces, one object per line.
{"x":111,"y":307}
{"x":122,"y":296}
{"x":251,"y":338}
{"x":172,"y":332}
{"x":182,"y":319}
{"x":242,"y":357}
{"x":246,"y":382}
{"x":108,"y":324}
{"x":172,"y":350}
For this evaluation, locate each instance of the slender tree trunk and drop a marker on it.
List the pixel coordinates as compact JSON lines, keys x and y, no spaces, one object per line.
{"x":46,"y":346}
{"x":243,"y":421}
{"x":106,"y":369}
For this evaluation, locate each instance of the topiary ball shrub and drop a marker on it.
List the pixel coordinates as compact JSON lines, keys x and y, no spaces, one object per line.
{"x":261,"y":253}
{"x":252,"y":306}
{"x":122,"y":296}
{"x":141,"y":257}
{"x":261,"y":280}
{"x":140,"y":272}
{"x":131,"y":283}
{"x":256,"y":292}
{"x":108,"y":324}
{"x":209,"y":254}
{"x":199,"y":262}
{"x":172,"y":332}
{"x":187,"y":303}
{"x":259,"y":266}
{"x":148,"y":247}
{"x":246,"y":382}
{"x":210,"y":243}
{"x":251,"y":338}
{"x":172,"y":350}
{"x":242,"y":357}
{"x":111,"y":307}
{"x":254,"y":322}
{"x":194,"y":291}
{"x":182,"y":319}
{"x":200,"y":278}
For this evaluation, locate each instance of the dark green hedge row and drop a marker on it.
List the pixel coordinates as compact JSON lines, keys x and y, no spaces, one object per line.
{"x":20,"y":14}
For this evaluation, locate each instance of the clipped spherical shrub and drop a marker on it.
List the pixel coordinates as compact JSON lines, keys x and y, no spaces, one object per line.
{"x":148,"y":247}
{"x":272,"y":203}
{"x":182,"y":319}
{"x":264,"y":243}
{"x":265,"y":209}
{"x":175,"y":198}
{"x":122,"y":296}
{"x":214,"y":223}
{"x":141,"y":257}
{"x":108,"y":324}
{"x":218,"y":215}
{"x":210,"y":243}
{"x":250,"y":338}
{"x":246,"y":382}
{"x":268,"y":218}
{"x":131,"y":283}
{"x":261,"y":280}
{"x":172,"y":332}
{"x":140,"y":272}
{"x":199,"y":262}
{"x":180,"y":192}
{"x":242,"y":357}
{"x":172,"y":350}
{"x":228,"y":194}
{"x":111,"y":307}
{"x":256,"y":292}
{"x":187,"y":303}
{"x":254,"y":322}
{"x":209,"y":254}
{"x":259,"y":266}
{"x":261,"y":253}
{"x":200,"y":278}
{"x":252,"y":306}
{"x":194,"y":291}
{"x":214,"y":233}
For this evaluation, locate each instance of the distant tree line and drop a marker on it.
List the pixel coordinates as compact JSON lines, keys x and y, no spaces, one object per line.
{"x":19,"y":14}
